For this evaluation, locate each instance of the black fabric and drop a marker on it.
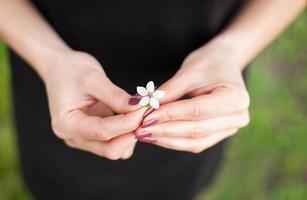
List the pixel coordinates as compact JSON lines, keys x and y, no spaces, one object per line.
{"x":136,"y":41}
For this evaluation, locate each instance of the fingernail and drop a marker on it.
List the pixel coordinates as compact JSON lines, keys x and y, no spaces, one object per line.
{"x":134,"y":101}
{"x":149,"y":122}
{"x":148,"y":140}
{"x":142,"y":135}
{"x":148,"y":111}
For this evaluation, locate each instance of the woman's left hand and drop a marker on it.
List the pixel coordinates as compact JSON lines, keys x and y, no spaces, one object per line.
{"x":217,"y":109}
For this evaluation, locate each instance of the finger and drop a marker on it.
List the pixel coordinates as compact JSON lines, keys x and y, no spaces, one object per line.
{"x":129,"y":151}
{"x":99,"y":109}
{"x":77,"y":123}
{"x":175,"y":88}
{"x":182,"y":84}
{"x":222,"y":101}
{"x":195,"y":129}
{"x":194,"y":145}
{"x":104,"y":90}
{"x":114,"y":149}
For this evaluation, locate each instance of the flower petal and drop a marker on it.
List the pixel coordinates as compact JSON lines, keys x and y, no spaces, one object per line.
{"x":144,"y":101}
{"x":154,"y":102}
{"x":141,"y":91}
{"x":159,"y":94}
{"x":150,"y":87}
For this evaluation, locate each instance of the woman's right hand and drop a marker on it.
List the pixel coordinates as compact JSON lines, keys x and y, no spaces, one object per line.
{"x":82,"y":103}
{"x":74,"y":81}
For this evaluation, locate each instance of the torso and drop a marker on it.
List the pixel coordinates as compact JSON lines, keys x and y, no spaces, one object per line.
{"x":136,"y":41}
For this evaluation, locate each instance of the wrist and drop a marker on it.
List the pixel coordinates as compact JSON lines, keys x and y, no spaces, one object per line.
{"x":217,"y":61}
{"x":233,"y":49}
{"x":220,"y":53}
{"x":49,"y":61}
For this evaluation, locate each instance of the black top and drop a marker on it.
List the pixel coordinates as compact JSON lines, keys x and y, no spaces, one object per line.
{"x":136,"y":41}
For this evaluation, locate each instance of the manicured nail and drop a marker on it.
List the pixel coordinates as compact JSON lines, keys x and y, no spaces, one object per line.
{"x":149,"y":122}
{"x":134,"y":101}
{"x":148,"y":111}
{"x":148,"y":140}
{"x":142,"y":135}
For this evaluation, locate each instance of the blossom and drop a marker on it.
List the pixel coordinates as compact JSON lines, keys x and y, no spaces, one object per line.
{"x":150,"y":97}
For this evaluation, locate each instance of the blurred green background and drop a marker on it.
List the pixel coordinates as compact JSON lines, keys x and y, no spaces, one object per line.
{"x":266,"y":160}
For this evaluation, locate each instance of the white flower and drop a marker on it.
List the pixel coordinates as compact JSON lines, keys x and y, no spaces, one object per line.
{"x":149,"y":95}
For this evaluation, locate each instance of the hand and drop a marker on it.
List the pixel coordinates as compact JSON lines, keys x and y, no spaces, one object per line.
{"x":217,"y":109}
{"x":120,"y":147}
{"x":82,"y":102}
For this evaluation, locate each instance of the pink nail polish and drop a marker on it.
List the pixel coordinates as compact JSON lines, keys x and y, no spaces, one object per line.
{"x":134,"y":101}
{"x":148,"y":140}
{"x":149,"y":122}
{"x":142,"y":135}
{"x":148,"y":111}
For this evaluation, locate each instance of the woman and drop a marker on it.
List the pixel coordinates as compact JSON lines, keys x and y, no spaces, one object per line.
{"x":196,"y":48}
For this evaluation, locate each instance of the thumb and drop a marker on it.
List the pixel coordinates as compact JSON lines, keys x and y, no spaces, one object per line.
{"x":101,"y":87}
{"x":175,"y":88}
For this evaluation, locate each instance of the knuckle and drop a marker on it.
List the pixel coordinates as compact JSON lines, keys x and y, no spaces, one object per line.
{"x":245,"y":119}
{"x":197,"y":132}
{"x":244,"y":99}
{"x":196,"y":150}
{"x":126,"y":156}
{"x":101,"y":136}
{"x":101,"y":132}
{"x":112,"y":157}
{"x":111,"y":154}
{"x":197,"y":111}
{"x":167,"y":115}
{"x":115,"y":95}
{"x":100,"y":151}
{"x":166,"y":130}
{"x":131,"y":122}
{"x":57,"y":128}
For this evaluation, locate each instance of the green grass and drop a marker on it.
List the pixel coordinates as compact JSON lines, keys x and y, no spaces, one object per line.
{"x":266,"y":160}
{"x":11,"y":185}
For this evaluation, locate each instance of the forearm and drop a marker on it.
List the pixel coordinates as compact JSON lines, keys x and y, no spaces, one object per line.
{"x":257,"y":24}
{"x":25,"y":30}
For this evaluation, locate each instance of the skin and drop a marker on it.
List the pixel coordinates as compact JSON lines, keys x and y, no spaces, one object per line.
{"x":83,"y":104}
{"x":90,"y":113}
{"x":83,"y":108}
{"x":212,"y":76}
